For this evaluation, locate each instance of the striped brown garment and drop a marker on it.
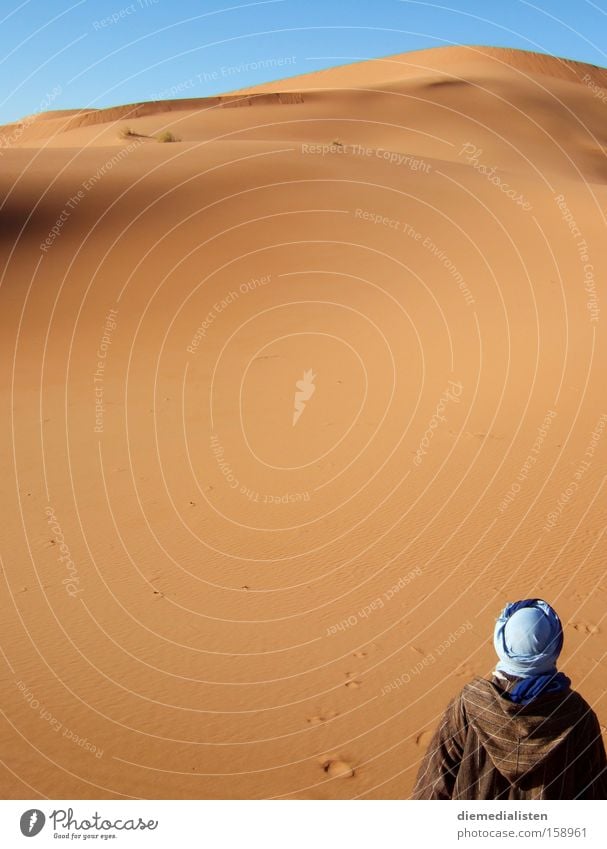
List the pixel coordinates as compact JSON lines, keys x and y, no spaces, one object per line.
{"x":487,"y":747}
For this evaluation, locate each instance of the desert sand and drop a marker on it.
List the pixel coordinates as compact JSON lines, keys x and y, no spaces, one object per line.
{"x":292,"y":406}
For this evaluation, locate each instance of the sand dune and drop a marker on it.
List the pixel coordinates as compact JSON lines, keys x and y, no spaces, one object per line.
{"x":293,"y":406}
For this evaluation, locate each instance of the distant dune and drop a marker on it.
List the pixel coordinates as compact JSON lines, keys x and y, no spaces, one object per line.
{"x":294,"y":403}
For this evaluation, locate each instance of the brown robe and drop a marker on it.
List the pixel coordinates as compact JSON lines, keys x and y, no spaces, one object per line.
{"x":488,"y":747}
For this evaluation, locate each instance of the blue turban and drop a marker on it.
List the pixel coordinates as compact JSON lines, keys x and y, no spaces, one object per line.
{"x":528,"y":638}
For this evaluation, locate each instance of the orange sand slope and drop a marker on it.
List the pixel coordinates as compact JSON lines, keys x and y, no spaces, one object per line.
{"x":293,"y":406}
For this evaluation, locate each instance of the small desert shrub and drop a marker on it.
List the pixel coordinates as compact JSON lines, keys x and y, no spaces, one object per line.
{"x":127,"y":133}
{"x":166,"y":137}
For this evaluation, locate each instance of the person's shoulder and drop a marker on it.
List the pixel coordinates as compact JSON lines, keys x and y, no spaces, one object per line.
{"x":478,"y":692}
{"x":478,"y":685}
{"x":568,"y":707}
{"x":575,"y":701}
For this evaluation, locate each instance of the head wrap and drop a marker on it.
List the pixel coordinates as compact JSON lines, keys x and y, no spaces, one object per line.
{"x":528,"y":638}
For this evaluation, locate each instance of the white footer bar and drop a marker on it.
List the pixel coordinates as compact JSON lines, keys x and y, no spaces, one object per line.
{"x":302,"y":824}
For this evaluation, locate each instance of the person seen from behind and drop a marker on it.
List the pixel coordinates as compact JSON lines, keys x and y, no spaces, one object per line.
{"x":524,"y":734}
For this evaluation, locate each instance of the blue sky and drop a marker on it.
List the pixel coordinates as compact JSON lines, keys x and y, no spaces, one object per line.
{"x":105,"y":52}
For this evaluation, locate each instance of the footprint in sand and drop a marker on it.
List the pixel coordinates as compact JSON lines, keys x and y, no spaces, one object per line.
{"x":338,"y":769}
{"x":353,"y":683}
{"x":368,"y":649}
{"x":423,"y":738}
{"x":586,"y":628}
{"x":322,"y":717}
